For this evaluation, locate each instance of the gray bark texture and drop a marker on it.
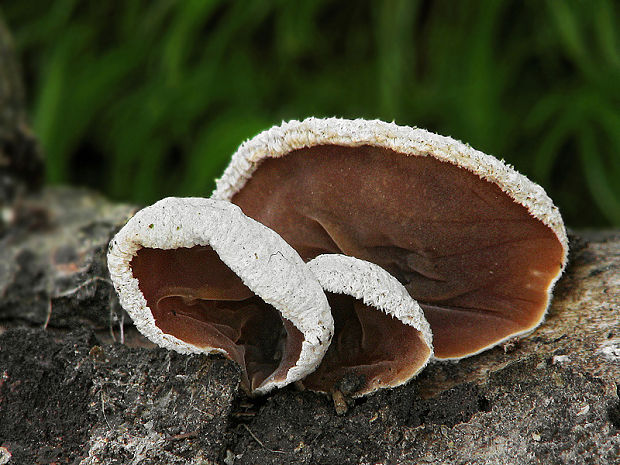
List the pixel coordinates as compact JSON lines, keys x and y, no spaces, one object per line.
{"x":79,"y":385}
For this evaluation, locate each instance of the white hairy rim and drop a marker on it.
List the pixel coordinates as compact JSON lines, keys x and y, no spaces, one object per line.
{"x":266,"y":264}
{"x":342,"y":274}
{"x":294,"y":135}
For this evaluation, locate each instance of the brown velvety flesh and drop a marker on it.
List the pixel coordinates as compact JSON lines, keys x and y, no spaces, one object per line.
{"x":195,"y":297}
{"x":477,"y":262}
{"x":373,"y":347}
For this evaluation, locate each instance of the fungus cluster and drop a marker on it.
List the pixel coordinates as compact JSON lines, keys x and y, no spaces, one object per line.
{"x":455,"y":253}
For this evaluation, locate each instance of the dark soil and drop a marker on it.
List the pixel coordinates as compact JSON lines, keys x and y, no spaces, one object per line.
{"x":64,"y":396}
{"x":67,"y":398}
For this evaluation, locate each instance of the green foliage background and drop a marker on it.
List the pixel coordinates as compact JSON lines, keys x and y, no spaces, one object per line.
{"x":143,"y":99}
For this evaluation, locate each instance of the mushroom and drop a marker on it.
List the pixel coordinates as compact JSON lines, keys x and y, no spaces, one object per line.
{"x":477,"y":244}
{"x":198,"y":276}
{"x":381,"y":339}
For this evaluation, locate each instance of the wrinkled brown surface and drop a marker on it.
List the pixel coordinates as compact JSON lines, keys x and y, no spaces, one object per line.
{"x":369,"y":346}
{"x":477,"y":262}
{"x":195,"y":297}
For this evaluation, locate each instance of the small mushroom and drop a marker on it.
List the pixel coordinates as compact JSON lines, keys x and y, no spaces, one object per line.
{"x":198,"y":276}
{"x":477,"y":244}
{"x":381,"y":338}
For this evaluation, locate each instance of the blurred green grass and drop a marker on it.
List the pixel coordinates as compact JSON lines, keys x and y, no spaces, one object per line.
{"x":143,"y":99}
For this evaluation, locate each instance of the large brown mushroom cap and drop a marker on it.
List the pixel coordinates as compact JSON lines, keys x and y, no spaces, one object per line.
{"x":478,"y":245}
{"x":196,"y":275}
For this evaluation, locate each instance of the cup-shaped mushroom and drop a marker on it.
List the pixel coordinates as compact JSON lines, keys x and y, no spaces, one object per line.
{"x":381,"y":339}
{"x":478,"y":245}
{"x":198,"y":276}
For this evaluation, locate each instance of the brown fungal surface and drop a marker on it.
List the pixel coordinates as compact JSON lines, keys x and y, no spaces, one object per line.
{"x":381,"y":339}
{"x":476,"y":244}
{"x":369,"y":350}
{"x":196,"y":275}
{"x":195,"y":297}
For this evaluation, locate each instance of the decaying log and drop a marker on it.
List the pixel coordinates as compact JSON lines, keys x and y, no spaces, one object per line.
{"x":551,"y":397}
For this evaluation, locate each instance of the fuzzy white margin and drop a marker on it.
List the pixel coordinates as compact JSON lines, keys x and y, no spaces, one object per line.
{"x":375,"y":287}
{"x":293,"y":135}
{"x":260,"y":257}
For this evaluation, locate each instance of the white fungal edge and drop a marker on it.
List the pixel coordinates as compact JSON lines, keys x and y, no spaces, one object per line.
{"x":375,"y":287}
{"x":293,"y":135}
{"x":266,"y":264}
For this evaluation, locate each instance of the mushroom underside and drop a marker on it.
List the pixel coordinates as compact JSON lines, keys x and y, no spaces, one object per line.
{"x":480,"y":265}
{"x":369,"y":350}
{"x":196,"y":298}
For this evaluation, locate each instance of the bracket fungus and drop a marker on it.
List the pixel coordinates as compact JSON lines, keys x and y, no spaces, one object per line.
{"x":198,"y":276}
{"x":477,"y":244}
{"x":381,"y":338}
